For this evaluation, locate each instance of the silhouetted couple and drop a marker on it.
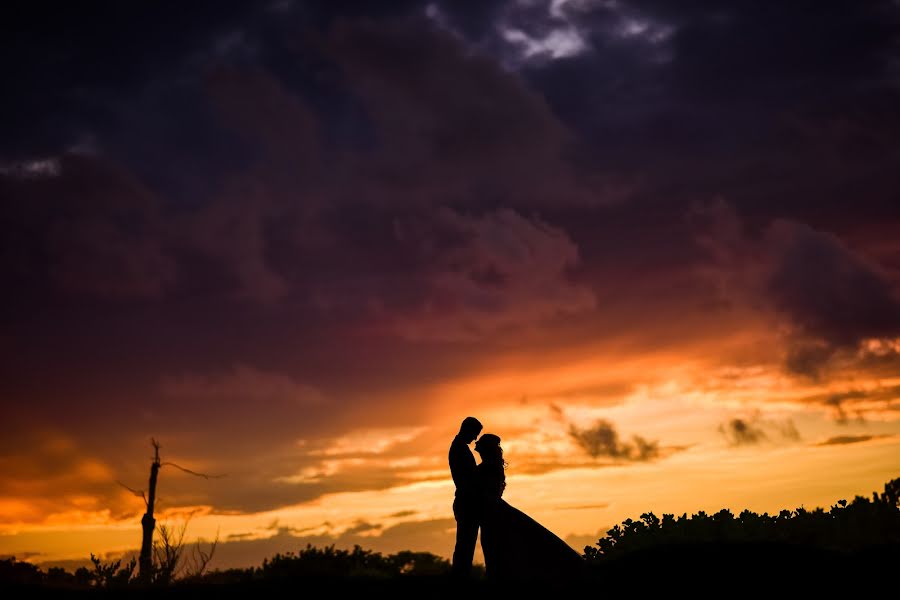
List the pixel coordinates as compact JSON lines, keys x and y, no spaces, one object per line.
{"x":515,"y":546}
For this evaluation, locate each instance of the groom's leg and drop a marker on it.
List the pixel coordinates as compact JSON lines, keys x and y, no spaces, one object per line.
{"x":466,"y":538}
{"x":464,"y":554}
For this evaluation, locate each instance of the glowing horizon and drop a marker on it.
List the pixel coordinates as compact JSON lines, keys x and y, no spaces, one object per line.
{"x":698,"y":466}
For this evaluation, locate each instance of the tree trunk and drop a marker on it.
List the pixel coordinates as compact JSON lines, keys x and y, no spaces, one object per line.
{"x":148,"y":522}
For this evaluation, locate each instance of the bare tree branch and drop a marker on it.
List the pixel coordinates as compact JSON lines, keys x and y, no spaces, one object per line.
{"x":138,"y":493}
{"x":200,"y":558}
{"x":168,"y":553}
{"x":188,"y":471}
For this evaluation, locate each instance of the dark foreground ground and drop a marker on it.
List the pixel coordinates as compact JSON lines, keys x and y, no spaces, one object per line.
{"x":683,"y":570}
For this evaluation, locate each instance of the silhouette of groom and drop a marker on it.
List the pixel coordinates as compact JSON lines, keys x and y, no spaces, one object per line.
{"x":465,"y":505}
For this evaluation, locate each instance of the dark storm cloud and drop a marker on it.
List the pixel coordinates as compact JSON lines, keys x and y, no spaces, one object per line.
{"x":95,"y":230}
{"x":72,"y":65}
{"x":91,"y":229}
{"x":485,"y":154}
{"x":739,"y":98}
{"x":777,"y":42}
{"x":741,"y":51}
{"x":829,"y":297}
{"x":285,"y":228}
{"x":452,"y":127}
{"x":653,"y":77}
{"x":602,"y":440}
{"x":493,"y":272}
{"x":825,"y":289}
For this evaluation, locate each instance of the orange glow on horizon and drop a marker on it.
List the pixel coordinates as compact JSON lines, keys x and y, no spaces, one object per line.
{"x":550,"y":476}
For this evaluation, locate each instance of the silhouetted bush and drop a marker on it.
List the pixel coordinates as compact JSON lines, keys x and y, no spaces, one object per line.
{"x":16,"y":572}
{"x":111,"y":574}
{"x":331,"y":562}
{"x":847,"y":527}
{"x":327,"y":562}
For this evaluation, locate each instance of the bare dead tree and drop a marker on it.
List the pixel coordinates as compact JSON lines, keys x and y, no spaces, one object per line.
{"x":200,"y":558}
{"x":170,"y":551}
{"x":148,"y":521}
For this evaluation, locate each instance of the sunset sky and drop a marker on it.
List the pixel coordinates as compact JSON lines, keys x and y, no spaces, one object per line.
{"x":653,"y":245}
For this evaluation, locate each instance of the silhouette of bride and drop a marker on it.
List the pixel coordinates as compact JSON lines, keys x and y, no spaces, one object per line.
{"x":515,"y":546}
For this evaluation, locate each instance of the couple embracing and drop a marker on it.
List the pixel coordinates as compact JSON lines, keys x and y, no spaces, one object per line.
{"x":514,"y":544}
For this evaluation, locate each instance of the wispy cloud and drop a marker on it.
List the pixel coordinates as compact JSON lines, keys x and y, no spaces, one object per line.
{"x":602,"y":440}
{"x":750,"y":431}
{"x":841,"y":440}
{"x":31,"y":169}
{"x":741,"y":432}
{"x":368,"y":441}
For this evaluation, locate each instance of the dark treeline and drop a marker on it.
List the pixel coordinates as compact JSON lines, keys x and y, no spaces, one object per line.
{"x":861,"y":524}
{"x":328,"y":562}
{"x":853,"y":542}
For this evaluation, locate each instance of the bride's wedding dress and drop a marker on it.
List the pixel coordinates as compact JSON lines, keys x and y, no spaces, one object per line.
{"x":514,"y":544}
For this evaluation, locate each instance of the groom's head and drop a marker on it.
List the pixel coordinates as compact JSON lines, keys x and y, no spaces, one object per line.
{"x":469,"y":429}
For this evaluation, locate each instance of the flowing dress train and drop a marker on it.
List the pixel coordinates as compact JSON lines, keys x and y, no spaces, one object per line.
{"x":515,"y":546}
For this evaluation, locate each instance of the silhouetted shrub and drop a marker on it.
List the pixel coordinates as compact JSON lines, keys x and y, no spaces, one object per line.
{"x":847,"y":527}
{"x":19,"y":573}
{"x":331,"y":562}
{"x":112,"y":574}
